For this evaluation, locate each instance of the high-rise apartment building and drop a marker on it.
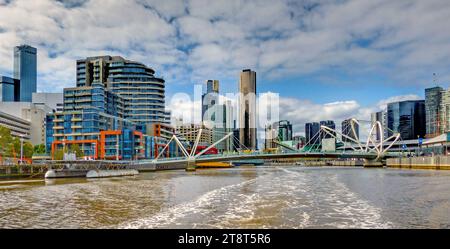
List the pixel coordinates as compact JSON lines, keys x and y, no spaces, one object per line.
{"x":210,"y":98}
{"x":407,"y":118}
{"x":280,"y":131}
{"x":247,"y":109}
{"x":381,"y":117}
{"x":25,"y":70}
{"x":141,"y":91}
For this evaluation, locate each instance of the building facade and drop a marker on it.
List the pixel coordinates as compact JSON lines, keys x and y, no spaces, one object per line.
{"x":433,"y":100}
{"x":143,"y":93}
{"x":19,"y":127}
{"x":381,"y":117}
{"x":330,"y":124}
{"x":312,"y":131}
{"x":54,"y":101}
{"x":247,"y":110}
{"x":280,"y":131}
{"x":407,"y":118}
{"x":7,"y":88}
{"x":346,"y":128}
{"x":25,"y":70}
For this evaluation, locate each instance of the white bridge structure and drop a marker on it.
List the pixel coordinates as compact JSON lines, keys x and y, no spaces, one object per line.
{"x":373,"y":149}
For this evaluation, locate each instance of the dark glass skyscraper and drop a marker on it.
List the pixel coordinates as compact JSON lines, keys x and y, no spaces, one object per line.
{"x":25,"y":70}
{"x":407,"y":118}
{"x":433,"y":97}
{"x":330,"y":124}
{"x":311,"y":133}
{"x":347,"y":130}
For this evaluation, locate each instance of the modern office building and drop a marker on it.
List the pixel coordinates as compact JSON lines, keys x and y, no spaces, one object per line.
{"x":53,"y":100}
{"x":19,"y":127}
{"x":407,"y":118}
{"x":25,"y":70}
{"x":280,"y":131}
{"x":247,"y":109}
{"x":433,"y":99}
{"x":35,"y":114}
{"x":210,"y":98}
{"x":312,"y":132}
{"x":143,"y":93}
{"x":7,"y":88}
{"x":444,"y":112}
{"x":381,"y":117}
{"x":190,"y":132}
{"x":347,"y":130}
{"x":330,"y":124}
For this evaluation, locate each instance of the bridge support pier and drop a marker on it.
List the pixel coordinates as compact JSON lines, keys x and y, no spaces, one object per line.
{"x":191,"y":166}
{"x":373,"y":163}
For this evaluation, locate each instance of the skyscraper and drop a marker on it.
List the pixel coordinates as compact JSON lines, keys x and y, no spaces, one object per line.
{"x":347,"y":130}
{"x":25,"y":70}
{"x":211,"y":97}
{"x":312,"y":133}
{"x":382,"y":118}
{"x":330,"y":124}
{"x":247,"y":109}
{"x":7,"y":86}
{"x":407,"y":118}
{"x":433,"y":97}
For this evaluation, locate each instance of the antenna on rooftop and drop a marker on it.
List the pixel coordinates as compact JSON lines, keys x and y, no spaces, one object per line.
{"x":435,"y":79}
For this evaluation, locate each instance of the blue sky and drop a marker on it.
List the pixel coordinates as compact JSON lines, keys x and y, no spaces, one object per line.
{"x":328,"y":59}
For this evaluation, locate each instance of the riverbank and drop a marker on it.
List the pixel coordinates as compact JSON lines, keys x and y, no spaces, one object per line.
{"x":431,"y":162}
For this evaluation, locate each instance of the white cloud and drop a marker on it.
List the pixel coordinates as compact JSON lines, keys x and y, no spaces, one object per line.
{"x":189,"y":41}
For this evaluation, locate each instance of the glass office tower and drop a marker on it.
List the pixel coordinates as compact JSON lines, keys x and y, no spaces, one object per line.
{"x":7,"y":86}
{"x":25,"y":70}
{"x":312,"y":132}
{"x":407,"y":118}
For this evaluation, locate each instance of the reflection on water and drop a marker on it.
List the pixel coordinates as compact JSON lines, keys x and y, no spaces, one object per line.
{"x":247,"y":197}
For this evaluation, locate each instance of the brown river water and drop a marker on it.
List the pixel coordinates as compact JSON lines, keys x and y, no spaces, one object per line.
{"x":242,"y":197}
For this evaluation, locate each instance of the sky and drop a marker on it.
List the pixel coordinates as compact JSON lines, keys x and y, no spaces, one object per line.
{"x":327,"y":59}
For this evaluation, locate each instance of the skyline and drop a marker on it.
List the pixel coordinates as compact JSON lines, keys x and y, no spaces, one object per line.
{"x":341,"y":58}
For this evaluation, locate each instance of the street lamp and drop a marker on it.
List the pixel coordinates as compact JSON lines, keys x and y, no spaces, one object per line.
{"x":21,"y":148}
{"x":117,"y":148}
{"x":94,"y":149}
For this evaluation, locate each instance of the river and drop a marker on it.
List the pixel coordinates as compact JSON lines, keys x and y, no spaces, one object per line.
{"x":243,"y":197}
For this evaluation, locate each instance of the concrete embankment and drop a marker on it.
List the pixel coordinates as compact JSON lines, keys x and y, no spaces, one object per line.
{"x":432,"y":162}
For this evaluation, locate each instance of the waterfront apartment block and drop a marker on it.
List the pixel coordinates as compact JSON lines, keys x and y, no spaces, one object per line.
{"x":116,"y":111}
{"x":25,"y":70}
{"x":142,"y":93}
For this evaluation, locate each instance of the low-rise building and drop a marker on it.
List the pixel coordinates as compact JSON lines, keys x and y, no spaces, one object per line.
{"x":19,"y":127}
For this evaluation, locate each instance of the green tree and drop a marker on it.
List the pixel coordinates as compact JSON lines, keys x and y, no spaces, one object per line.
{"x":58,"y":154}
{"x":77,"y":150}
{"x":39,"y":149}
{"x":5,"y":142}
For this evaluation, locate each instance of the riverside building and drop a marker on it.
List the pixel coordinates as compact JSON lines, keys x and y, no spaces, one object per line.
{"x":111,"y":111}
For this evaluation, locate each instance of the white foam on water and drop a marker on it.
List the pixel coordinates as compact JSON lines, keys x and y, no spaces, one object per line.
{"x":171,"y":215}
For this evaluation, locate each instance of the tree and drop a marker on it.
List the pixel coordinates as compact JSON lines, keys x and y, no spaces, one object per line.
{"x":5,"y":141}
{"x":58,"y":154}
{"x":76,"y":149}
{"x":39,"y":149}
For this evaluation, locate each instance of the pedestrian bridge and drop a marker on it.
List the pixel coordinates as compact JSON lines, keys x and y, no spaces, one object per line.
{"x":371,"y":150}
